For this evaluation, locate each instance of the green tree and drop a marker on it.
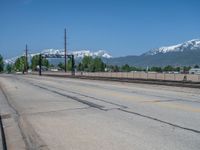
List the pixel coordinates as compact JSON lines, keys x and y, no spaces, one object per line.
{"x":91,"y":64}
{"x":126,"y":68}
{"x":196,"y":66}
{"x":35,"y":62}
{"x":1,"y":64}
{"x":87,"y":63}
{"x":80,"y":67}
{"x":19,"y":64}
{"x":168,"y":68}
{"x":69,"y":64}
{"x":177,"y":69}
{"x":186,"y":69}
{"x":61,"y":65}
{"x":9,"y":68}
{"x":156,"y":69}
{"x":97,"y":65}
{"x":116,"y":68}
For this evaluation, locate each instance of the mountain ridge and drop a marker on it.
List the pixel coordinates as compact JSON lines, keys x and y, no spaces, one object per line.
{"x":186,"y":53}
{"x":59,"y":53}
{"x":193,"y":44}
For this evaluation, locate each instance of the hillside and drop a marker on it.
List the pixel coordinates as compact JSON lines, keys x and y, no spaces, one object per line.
{"x":185,"y":54}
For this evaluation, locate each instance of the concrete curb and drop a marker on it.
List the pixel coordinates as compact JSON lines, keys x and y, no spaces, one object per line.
{"x":13,"y":137}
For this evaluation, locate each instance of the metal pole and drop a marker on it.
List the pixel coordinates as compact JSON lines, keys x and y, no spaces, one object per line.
{"x":40,"y":64}
{"x":73,"y":65}
{"x":65,"y":41}
{"x":26,"y":62}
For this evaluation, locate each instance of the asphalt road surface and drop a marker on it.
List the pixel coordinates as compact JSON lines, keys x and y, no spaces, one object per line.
{"x":76,"y":114}
{"x":1,"y":144}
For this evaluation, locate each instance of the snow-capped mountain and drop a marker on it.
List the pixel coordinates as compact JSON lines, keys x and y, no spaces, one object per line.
{"x":100,"y":53}
{"x":59,"y":53}
{"x":77,"y":54}
{"x":11,"y":60}
{"x":185,"y":54}
{"x":186,"y":46}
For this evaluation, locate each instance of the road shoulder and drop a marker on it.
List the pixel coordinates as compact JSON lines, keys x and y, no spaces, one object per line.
{"x":13,"y":136}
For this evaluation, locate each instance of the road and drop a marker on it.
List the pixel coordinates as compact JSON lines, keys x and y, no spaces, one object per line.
{"x":76,"y":114}
{"x":1,"y":144}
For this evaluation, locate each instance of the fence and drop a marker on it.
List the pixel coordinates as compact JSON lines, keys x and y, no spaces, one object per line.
{"x":137,"y":75}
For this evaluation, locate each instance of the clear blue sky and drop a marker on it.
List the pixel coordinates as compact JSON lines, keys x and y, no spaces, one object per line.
{"x":122,"y":27}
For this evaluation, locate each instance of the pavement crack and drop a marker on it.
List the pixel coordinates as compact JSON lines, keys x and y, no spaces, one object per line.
{"x":73,"y":98}
{"x":92,"y":97}
{"x":44,"y":112}
{"x":97,"y":99}
{"x":166,"y":97}
{"x":161,"y":121}
{"x":15,"y":114}
{"x":24,"y":133}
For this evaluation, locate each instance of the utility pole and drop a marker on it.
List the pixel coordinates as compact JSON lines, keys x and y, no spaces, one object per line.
{"x":73,"y":66}
{"x":26,"y":59}
{"x":65,"y":44}
{"x":40,"y":64}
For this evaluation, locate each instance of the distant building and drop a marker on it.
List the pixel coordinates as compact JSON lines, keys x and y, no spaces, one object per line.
{"x":194,"y":71}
